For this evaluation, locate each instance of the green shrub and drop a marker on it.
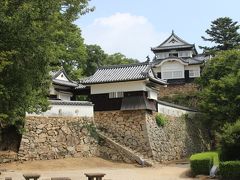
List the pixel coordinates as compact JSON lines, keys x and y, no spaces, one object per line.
{"x":161,"y":120}
{"x":230,"y":170}
{"x":201,"y":163}
{"x":230,"y":142}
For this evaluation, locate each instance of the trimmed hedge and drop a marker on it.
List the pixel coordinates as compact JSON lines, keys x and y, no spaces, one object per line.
{"x":202,"y":163}
{"x":230,"y":170}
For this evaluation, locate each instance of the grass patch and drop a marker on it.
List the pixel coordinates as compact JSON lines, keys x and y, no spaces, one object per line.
{"x":161,"y":120}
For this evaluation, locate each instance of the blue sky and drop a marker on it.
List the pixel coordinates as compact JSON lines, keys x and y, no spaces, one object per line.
{"x":132,"y":27}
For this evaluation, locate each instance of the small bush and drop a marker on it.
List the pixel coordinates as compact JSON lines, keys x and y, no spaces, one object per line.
{"x":201,"y":163}
{"x":230,"y":170}
{"x":161,"y":120}
{"x":230,"y":142}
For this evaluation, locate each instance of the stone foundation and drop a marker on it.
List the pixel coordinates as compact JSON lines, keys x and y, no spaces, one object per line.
{"x":138,"y":130}
{"x":125,"y":127}
{"x":127,"y":136}
{"x":179,"y":138}
{"x":172,"y":89}
{"x":56,"y":137}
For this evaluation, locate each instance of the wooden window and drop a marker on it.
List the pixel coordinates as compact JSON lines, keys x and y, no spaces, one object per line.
{"x":116,"y":95}
{"x":194,"y":73}
{"x":172,"y":75}
{"x":184,"y":54}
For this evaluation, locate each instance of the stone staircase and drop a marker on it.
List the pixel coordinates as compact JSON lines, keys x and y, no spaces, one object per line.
{"x":129,"y":153}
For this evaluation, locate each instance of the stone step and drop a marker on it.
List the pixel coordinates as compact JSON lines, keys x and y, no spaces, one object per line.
{"x":129,"y":152}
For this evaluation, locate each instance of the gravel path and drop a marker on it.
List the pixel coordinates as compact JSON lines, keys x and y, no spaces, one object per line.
{"x":76,"y":167}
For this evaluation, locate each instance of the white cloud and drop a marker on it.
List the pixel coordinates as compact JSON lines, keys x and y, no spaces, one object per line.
{"x":131,"y":35}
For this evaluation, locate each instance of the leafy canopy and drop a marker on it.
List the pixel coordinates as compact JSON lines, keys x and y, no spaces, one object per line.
{"x":96,"y":57}
{"x":34,"y":35}
{"x":224,"y":33}
{"x":220,"y":83}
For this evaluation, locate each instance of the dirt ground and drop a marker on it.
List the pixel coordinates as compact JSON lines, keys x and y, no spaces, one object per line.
{"x":75,"y":168}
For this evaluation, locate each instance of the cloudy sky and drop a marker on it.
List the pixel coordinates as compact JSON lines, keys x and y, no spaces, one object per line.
{"x":132,"y":27}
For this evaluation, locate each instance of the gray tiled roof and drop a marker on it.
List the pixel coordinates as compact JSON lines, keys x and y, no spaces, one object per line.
{"x":60,"y":102}
{"x":64,"y":83}
{"x":173,"y":47}
{"x":185,"y":44}
{"x":119,"y":73}
{"x":69,"y":83}
{"x":189,"y":61}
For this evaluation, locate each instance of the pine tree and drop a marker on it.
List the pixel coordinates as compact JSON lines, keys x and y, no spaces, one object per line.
{"x":224,"y":33}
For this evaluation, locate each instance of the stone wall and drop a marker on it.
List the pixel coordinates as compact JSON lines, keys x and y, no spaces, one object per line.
{"x":179,"y":138}
{"x":125,"y":127}
{"x":138,"y":130}
{"x":172,"y":89}
{"x":56,"y":137}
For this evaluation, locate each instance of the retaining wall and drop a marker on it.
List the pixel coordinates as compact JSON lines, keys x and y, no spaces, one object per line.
{"x":138,"y":130}
{"x":56,"y":137}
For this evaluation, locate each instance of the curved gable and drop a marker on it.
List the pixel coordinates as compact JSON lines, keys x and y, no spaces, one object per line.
{"x":171,"y":60}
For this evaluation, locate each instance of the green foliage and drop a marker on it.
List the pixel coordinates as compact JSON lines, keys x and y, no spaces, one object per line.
{"x":161,"y":120}
{"x":224,"y":33}
{"x":183,"y":99}
{"x":96,"y":57}
{"x":220,"y":84}
{"x":230,"y":170}
{"x":230,"y":142}
{"x":118,"y":58}
{"x":34,"y":36}
{"x":201,"y":163}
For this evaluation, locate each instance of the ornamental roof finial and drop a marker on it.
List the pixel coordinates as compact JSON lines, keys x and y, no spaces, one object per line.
{"x":172,"y":31}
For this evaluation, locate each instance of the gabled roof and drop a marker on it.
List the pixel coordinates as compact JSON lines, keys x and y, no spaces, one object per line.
{"x":173,"y":42}
{"x":122,"y":73}
{"x":186,"y":61}
{"x":65,"y":81}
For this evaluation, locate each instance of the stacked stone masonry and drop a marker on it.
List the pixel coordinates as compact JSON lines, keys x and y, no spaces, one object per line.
{"x":172,"y":89}
{"x":127,"y":128}
{"x":138,"y":130}
{"x":129,"y":134}
{"x":56,"y":137}
{"x":179,"y":138}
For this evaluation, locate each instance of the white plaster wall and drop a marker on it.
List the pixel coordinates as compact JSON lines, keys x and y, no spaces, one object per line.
{"x":172,"y":66}
{"x":64,"y":96}
{"x":68,"y":110}
{"x":194,"y":68}
{"x":118,"y":87}
{"x":168,"y":43}
{"x":62,"y":77}
{"x":152,"y":95}
{"x":52,"y":90}
{"x":171,"y":111}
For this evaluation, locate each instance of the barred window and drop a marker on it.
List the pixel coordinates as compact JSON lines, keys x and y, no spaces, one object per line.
{"x":194,"y":73}
{"x":116,"y":95}
{"x":172,"y":74}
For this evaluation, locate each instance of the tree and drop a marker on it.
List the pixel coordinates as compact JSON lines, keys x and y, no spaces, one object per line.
{"x":96,"y":57}
{"x":230,"y":142}
{"x":118,"y":58}
{"x":224,"y":33}
{"x":219,"y":98}
{"x":34,"y":34}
